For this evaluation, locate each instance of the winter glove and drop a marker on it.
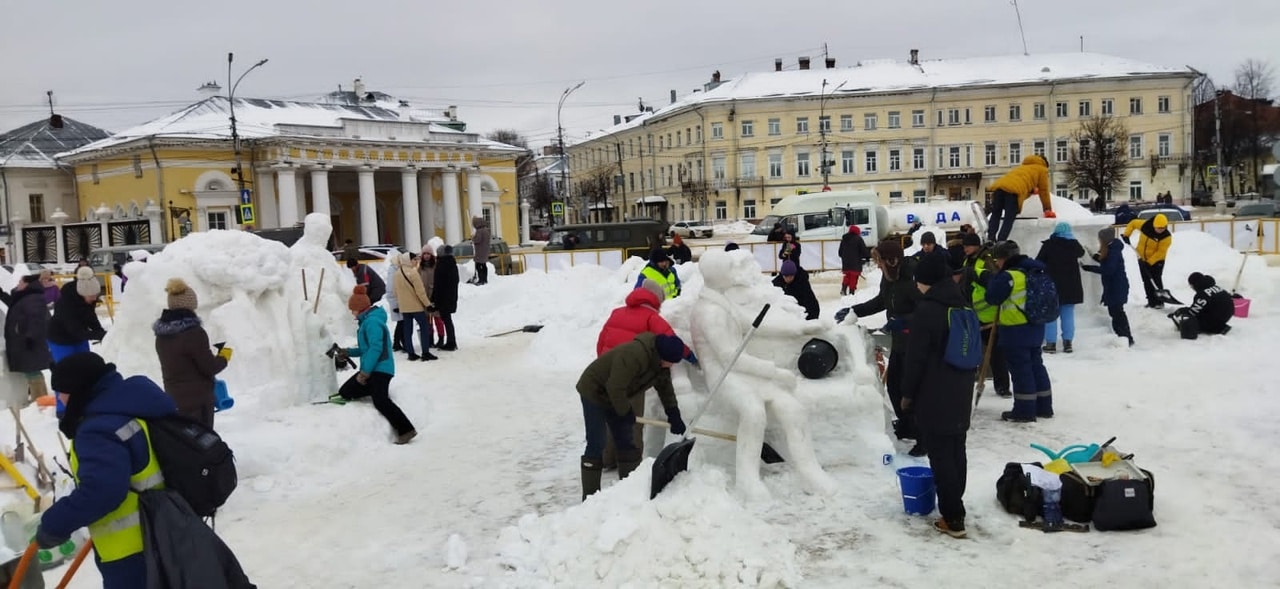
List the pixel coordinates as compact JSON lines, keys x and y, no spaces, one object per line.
{"x":673,"y":418}
{"x":225,"y":353}
{"x":46,"y":540}
{"x":396,"y":310}
{"x":1050,"y":215}
{"x":431,"y":308}
{"x":841,"y":314}
{"x":1097,"y":257}
{"x":691,"y":358}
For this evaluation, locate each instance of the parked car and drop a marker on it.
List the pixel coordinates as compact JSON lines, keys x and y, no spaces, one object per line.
{"x":1201,"y":198}
{"x":690,"y":229}
{"x":371,"y":253}
{"x":540,"y":232}
{"x":104,"y":259}
{"x":636,"y":237}
{"x":1170,"y":213}
{"x":499,"y":255}
{"x":1257,"y":210}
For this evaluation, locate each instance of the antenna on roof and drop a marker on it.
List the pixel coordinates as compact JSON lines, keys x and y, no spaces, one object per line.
{"x":1021,"y":33}
{"x":1081,"y":43}
{"x":55,"y":120}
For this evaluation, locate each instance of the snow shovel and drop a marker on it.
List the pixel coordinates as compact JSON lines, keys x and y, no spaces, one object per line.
{"x":525,"y":329}
{"x":1167,"y":297}
{"x":674,"y":459}
{"x":767,"y":453}
{"x":986,"y":361}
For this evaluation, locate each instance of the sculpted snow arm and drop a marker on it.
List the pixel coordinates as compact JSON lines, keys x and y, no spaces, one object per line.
{"x":725,"y":324}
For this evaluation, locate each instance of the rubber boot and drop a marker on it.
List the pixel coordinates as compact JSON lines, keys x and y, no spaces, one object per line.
{"x":1066,"y":346}
{"x":628,"y":460}
{"x":590,"y":476}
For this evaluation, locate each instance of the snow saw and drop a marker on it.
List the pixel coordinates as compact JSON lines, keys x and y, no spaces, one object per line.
{"x":674,"y":459}
{"x":341,"y":361}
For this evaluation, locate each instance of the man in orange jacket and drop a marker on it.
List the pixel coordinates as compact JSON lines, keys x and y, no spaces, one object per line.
{"x":1011,"y":190}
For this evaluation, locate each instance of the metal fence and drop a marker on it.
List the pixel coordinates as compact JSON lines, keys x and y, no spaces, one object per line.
{"x":815,"y":255}
{"x":1246,"y":235}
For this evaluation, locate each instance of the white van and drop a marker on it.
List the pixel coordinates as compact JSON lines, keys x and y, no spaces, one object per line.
{"x":828,"y":215}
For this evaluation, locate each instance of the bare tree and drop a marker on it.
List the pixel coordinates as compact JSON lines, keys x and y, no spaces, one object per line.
{"x":508,"y":136}
{"x":595,"y":187}
{"x":542,"y":194}
{"x":1099,"y":163}
{"x":1254,"y":80}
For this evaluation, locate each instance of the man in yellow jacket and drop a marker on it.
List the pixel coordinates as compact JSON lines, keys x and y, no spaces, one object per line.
{"x":1011,"y":190}
{"x":1154,"y":240}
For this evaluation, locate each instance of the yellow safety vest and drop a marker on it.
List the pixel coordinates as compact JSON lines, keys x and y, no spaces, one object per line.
{"x":119,"y":533}
{"x":668,"y":282}
{"x":1011,"y":309}
{"x":986,"y":311}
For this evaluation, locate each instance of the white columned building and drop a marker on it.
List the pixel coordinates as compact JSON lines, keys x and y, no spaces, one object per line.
{"x":320,"y":190}
{"x":409,"y":197}
{"x":288,"y":187}
{"x":452,"y":207}
{"x":269,"y":216}
{"x":475,"y":196}
{"x":368,"y":206}
{"x":426,"y":206}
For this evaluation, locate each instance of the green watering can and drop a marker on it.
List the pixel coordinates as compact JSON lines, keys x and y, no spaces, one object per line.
{"x":1073,"y":454}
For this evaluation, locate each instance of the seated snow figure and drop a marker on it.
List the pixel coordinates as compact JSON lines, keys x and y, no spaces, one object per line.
{"x":755,"y":387}
{"x":1209,"y":311}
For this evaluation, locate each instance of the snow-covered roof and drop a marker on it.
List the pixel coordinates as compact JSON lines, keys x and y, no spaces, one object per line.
{"x":36,"y":144}
{"x":258,"y":118}
{"x":881,"y":76}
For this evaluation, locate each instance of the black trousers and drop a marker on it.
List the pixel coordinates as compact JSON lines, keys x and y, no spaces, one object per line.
{"x":397,"y":334}
{"x":1119,"y":321}
{"x":999,"y":368}
{"x":1152,"y":280}
{"x":378,"y":387}
{"x":906,"y":427}
{"x":449,"y":340}
{"x":482,"y":272}
{"x":1004,"y":211}
{"x":950,"y":465}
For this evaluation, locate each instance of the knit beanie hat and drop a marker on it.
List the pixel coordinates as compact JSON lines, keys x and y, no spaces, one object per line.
{"x":359,"y":301}
{"x":654,"y":288}
{"x":76,"y":376}
{"x":970,"y":239}
{"x":1063,"y":230}
{"x":180,"y":295}
{"x":788,"y":268}
{"x":670,"y":348}
{"x":1005,"y":250}
{"x":1106,"y":234}
{"x":931,"y":270}
{"x":87,"y":284}
{"x":928,"y":239}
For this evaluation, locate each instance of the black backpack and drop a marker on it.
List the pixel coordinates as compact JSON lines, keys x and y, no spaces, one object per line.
{"x":195,"y":462}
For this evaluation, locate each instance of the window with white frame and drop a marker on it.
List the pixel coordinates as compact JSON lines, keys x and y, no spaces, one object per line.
{"x":748,"y":128}
{"x":895,"y":160}
{"x":216,"y":220}
{"x":679,"y":139}
{"x":1037,"y":111}
{"x":1162,"y":144}
{"x":747,"y":164}
{"x":895,"y":119}
{"x":953,"y":116}
{"x":36,"y":203}
{"x":749,"y":209}
{"x":1084,"y":149}
{"x":968,"y":155}
{"x":824,"y":124}
{"x":1085,"y":108}
{"x":1015,"y":113}
{"x":802,"y":125}
{"x":1015,"y":152}
{"x":1135,"y":190}
{"x":775,"y":164}
{"x":917,"y":158}
{"x":989,"y":113}
{"x":989,"y":154}
{"x":1135,"y":106}
{"x":1060,"y":151}
{"x":1135,"y":147}
{"x":869,"y":121}
{"x":1108,"y":107}
{"x":717,"y":130}
{"x":1162,"y":105}
{"x":717,"y":168}
{"x":1038,"y":148}
{"x":917,"y":118}
{"x":802,"y":163}
{"x":968,"y":116}
{"x":775,"y":126}
{"x":941,"y":117}
{"x":722,"y":210}
{"x":1061,"y":191}
{"x":920,"y":196}
{"x":953,"y":156}
{"x":871,"y":161}
{"x":688,"y":135}
{"x":846,"y":123}
{"x":137,"y":166}
{"x":1061,"y":110}
{"x":847,"y":163}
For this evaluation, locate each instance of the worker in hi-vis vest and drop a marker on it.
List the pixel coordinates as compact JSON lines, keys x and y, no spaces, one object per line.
{"x":661,"y":271}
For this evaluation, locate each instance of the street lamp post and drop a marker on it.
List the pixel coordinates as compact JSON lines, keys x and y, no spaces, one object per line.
{"x":564,"y":161}
{"x":231,"y":103}
{"x":822,"y":129}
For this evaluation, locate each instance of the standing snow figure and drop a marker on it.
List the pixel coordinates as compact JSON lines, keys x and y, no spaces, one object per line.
{"x":757,"y":388}
{"x":317,"y":325}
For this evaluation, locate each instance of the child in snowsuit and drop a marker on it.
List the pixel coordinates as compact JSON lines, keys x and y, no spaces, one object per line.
{"x":1115,"y":282}
{"x":1061,"y":253}
{"x":1209,"y":311}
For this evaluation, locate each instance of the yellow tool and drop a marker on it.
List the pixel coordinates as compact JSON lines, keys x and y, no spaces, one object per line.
{"x":1058,"y":466}
{"x":1109,"y":457}
{"x":17,"y":476}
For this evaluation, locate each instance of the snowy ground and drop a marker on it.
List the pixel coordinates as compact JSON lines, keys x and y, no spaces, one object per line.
{"x":488,"y":494}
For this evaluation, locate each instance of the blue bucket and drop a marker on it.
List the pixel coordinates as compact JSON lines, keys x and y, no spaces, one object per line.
{"x":223,"y":400}
{"x":918,"y":496}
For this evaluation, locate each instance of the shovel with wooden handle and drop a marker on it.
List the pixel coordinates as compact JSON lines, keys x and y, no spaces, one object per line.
{"x":767,"y":453}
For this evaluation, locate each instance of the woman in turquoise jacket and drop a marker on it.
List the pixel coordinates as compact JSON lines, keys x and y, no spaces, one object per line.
{"x":377,"y":367}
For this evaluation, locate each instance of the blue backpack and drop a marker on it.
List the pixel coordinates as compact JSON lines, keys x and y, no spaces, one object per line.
{"x":964,"y":339}
{"x":1042,"y":297}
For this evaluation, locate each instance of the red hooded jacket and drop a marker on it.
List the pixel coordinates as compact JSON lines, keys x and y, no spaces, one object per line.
{"x":640,"y":315}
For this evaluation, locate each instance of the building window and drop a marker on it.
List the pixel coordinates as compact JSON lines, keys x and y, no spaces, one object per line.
{"x":1162,"y":104}
{"x":846,"y":123}
{"x":1060,"y":151}
{"x":748,"y":128}
{"x":749,"y":209}
{"x":989,"y":154}
{"x":895,"y":160}
{"x":1135,"y":106}
{"x":93,"y":171}
{"x":1015,"y":152}
{"x":895,"y":119}
{"x":802,"y":164}
{"x":1108,"y":107}
{"x":717,"y":130}
{"x":773,"y":202}
{"x":941,"y":117}
{"x":668,"y":143}
{"x":137,"y":166}
{"x":953,"y":116}
{"x":953,"y":156}
{"x":869,"y":121}
{"x":917,"y":118}
{"x":722,"y":210}
{"x":1037,"y":111}
{"x":216,"y":220}
{"x":775,"y":165}
{"x":698,"y":133}
{"x":895,"y":195}
{"x":1061,"y":191}
{"x":847,"y":162}
{"x":1084,"y":149}
{"x":1038,"y":148}
{"x":1162,"y":144}
{"x":968,"y":116}
{"x":631,"y":177}
{"x":747,"y":165}
{"x":1085,"y":108}
{"x":802,"y":125}
{"x":968,"y":156}
{"x":824,"y":124}
{"x":920,"y":196}
{"x":1015,"y":113}
{"x":1135,"y":147}
{"x":1135,"y":190}
{"x":989,"y":113}
{"x":1062,"y":110}
{"x":871,"y":162}
{"x":775,"y":126}
{"x":36,"y":202}
{"x":917,"y":158}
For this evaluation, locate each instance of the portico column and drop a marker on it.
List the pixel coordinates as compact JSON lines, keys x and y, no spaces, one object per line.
{"x":426,"y":206}
{"x":300,"y":180}
{"x":368,"y":206}
{"x":288,"y":188}
{"x":452,"y":207}
{"x":475,"y":201}
{"x":320,"y":190}
{"x":268,"y":210}
{"x":153,"y":212}
{"x":409,"y":196}
{"x":59,"y":219}
{"x":524,"y":220}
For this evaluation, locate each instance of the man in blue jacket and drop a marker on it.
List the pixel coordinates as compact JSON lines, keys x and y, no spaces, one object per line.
{"x":112,"y":461}
{"x":1018,"y":338}
{"x":377,"y":367}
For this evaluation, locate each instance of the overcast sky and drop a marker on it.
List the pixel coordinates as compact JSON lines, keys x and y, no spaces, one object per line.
{"x":506,"y":62}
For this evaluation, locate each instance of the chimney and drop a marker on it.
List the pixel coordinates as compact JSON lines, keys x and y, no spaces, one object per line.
{"x":358,"y":88}
{"x":715,"y":77}
{"x":831,"y":63}
{"x":673,"y":97}
{"x":777,"y":64}
{"x":915,"y":57}
{"x":404,"y":111}
{"x":804,"y":62}
{"x":451,"y":112}
{"x":617,"y":119}
{"x":209,"y":89}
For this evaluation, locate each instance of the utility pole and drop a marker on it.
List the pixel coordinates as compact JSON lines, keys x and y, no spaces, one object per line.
{"x":564,"y":160}
{"x":823,"y":124}
{"x":1219,"y":199}
{"x":231,"y":104}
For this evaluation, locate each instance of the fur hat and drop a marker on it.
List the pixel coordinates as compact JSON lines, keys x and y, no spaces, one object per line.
{"x":654,"y":288}
{"x":788,"y":268}
{"x":931,"y":270}
{"x":889,"y":251}
{"x":87,"y":284}
{"x":359,"y":301}
{"x":670,"y":348}
{"x":180,"y":295}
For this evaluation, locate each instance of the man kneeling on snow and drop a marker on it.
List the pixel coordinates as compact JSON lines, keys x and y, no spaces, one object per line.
{"x":1209,"y":311}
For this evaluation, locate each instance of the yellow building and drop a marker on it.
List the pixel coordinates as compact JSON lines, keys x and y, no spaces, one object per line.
{"x":906,"y":129}
{"x":383,"y":173}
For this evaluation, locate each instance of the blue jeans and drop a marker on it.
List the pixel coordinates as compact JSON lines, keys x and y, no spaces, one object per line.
{"x":1067,"y":316}
{"x":1032,"y":391}
{"x":600,"y":422}
{"x":424,"y":331}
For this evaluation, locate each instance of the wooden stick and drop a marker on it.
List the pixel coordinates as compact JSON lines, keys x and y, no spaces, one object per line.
{"x":319,"y":289}
{"x":306,"y":294}
{"x":41,"y":470}
{"x":696,"y":430}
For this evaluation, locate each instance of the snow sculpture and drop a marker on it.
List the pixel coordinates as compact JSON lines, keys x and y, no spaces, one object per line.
{"x":316,"y":326}
{"x":755,"y":387}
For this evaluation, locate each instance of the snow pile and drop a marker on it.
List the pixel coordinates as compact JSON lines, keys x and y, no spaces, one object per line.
{"x":734,"y":228}
{"x":1196,"y":251}
{"x":1065,"y":208}
{"x":693,"y":534}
